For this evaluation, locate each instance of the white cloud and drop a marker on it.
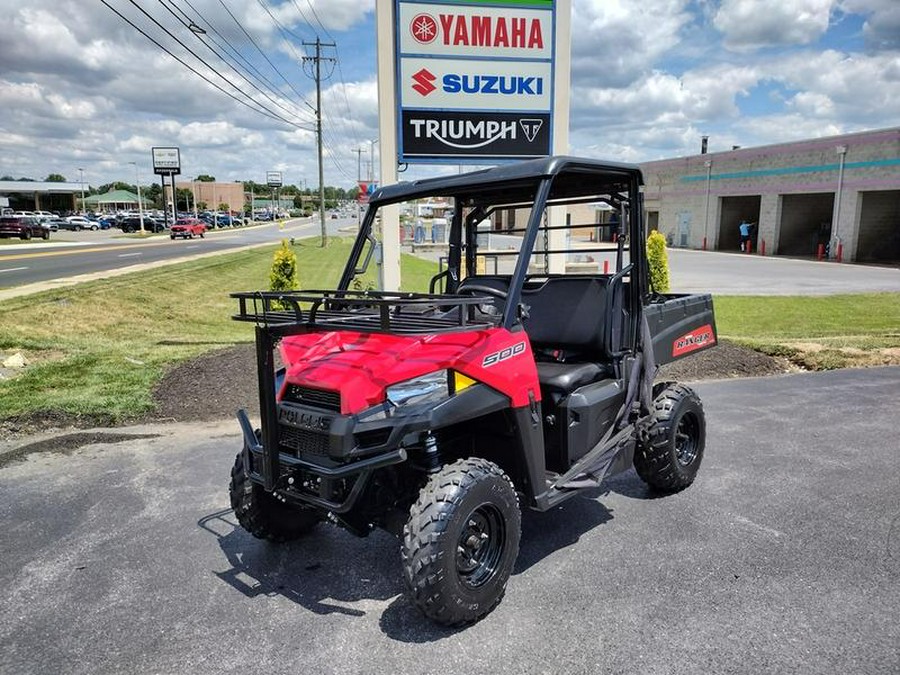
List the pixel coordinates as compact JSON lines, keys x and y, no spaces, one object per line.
{"x":614,"y":42}
{"x":751,"y":24}
{"x":882,"y":26}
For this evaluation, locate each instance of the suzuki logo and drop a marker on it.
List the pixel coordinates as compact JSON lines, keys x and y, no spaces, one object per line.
{"x":424,"y":82}
{"x":423,"y":28}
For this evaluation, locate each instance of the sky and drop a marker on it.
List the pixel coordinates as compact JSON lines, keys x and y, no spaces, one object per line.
{"x":82,"y":88}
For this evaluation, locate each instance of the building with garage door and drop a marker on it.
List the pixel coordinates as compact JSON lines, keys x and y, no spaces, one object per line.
{"x":838,"y":196}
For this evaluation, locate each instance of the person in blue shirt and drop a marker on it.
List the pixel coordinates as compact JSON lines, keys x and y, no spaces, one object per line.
{"x":745,"y":234}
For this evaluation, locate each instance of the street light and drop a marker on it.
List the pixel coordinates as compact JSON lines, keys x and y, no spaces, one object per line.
{"x":708,"y":165}
{"x":81,"y":180}
{"x":372,"y":159}
{"x":137,"y":181}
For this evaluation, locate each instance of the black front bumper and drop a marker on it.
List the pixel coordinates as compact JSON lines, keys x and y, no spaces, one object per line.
{"x":263,"y":465}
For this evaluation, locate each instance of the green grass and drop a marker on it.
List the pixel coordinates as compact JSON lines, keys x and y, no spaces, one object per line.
{"x":801,"y":318}
{"x":98,"y":349}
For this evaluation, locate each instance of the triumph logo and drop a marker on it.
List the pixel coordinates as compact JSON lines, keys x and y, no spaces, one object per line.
{"x":424,"y":82}
{"x":531,"y":128}
{"x":469,"y":134}
{"x":463,"y":133}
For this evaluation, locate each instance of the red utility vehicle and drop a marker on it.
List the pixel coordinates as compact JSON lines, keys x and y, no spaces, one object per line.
{"x":187,"y":228}
{"x":524,"y":376}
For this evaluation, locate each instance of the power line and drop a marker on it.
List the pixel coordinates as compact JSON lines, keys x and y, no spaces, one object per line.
{"x":261,"y":108}
{"x":230,"y":47}
{"x":268,"y":60}
{"x":253,"y":84}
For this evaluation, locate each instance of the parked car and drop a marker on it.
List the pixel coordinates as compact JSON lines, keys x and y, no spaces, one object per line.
{"x":133,"y":224}
{"x":23,"y":227}
{"x":187,"y":228}
{"x":81,"y":223}
{"x":44,"y":215}
{"x":51,"y":224}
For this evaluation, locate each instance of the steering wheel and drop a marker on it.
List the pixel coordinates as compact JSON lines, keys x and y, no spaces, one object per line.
{"x":484,"y":288}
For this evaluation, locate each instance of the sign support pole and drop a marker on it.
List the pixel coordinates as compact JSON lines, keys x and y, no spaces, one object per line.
{"x":387,"y":131}
{"x":556,"y":215}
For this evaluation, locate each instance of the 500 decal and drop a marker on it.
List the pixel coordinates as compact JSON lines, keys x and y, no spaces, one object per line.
{"x":503,"y":355}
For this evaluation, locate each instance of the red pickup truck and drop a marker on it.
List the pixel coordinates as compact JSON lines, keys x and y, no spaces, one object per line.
{"x":187,"y":228}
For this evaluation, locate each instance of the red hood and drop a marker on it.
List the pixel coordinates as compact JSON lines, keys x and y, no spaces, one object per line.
{"x":362,"y":365}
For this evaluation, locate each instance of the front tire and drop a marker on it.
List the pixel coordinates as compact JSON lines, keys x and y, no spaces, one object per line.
{"x":670,"y":453}
{"x":461,"y":541}
{"x":261,"y":514}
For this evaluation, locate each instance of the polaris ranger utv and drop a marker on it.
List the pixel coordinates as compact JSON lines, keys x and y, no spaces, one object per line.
{"x":437,"y":415}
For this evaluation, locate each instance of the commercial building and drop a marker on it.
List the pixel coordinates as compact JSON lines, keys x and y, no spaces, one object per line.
{"x":838,"y":196}
{"x":210,"y":194}
{"x":27,"y":195}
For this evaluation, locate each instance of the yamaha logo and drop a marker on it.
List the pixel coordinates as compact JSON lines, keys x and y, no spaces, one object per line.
{"x":423,"y":28}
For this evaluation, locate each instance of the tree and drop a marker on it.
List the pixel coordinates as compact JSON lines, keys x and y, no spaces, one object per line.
{"x":152,"y":195}
{"x":201,"y":206}
{"x":183,"y":199}
{"x":205,"y":178}
{"x":55,"y":178}
{"x":658,"y":262}
{"x":223,"y":207}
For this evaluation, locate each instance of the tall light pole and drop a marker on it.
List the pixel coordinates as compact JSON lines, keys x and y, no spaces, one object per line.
{"x":359,"y":152}
{"x":137,"y":182}
{"x":372,"y":159}
{"x":81,"y":180}
{"x":708,"y":165}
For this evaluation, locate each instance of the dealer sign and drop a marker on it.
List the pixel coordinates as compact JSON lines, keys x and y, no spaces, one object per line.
{"x":475,"y":80}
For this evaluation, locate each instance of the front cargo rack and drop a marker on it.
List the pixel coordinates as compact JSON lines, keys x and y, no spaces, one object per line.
{"x":364,"y":311}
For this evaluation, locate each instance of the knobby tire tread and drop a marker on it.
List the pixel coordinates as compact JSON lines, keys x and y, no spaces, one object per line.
{"x":429,"y":519}
{"x":654,"y":459}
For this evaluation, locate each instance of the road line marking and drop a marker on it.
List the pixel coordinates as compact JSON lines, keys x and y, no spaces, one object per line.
{"x":129,"y":255}
{"x":194,"y":246}
{"x":14,"y":269}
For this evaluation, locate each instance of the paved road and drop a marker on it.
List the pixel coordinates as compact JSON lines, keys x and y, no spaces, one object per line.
{"x":784,"y":557}
{"x":739,"y":274}
{"x":70,"y":254}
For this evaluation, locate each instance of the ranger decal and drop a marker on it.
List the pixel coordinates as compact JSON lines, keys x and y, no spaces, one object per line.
{"x":698,"y":338}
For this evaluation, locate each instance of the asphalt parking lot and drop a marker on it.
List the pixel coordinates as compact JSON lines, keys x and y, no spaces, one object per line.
{"x":784,"y":556}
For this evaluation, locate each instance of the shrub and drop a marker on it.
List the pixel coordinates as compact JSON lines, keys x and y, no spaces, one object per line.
{"x":658,"y":262}
{"x":283,"y":276}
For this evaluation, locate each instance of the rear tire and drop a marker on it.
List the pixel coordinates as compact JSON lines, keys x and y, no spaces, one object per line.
{"x":461,"y":541}
{"x":669,"y":456}
{"x":261,"y":514}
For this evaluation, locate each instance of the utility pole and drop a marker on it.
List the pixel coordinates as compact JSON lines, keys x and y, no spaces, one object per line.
{"x":317,"y":60}
{"x":81,"y":180}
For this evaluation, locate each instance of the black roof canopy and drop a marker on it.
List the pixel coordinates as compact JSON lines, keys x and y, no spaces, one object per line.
{"x":512,"y":174}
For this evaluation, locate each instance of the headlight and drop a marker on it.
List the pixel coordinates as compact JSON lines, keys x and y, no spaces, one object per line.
{"x":430,"y":388}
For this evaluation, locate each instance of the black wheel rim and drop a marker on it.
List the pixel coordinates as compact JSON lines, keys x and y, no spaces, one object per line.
{"x":480,"y":546}
{"x":687,"y":439}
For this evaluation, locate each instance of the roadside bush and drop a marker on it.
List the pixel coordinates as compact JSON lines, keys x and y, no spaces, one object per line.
{"x":658,"y":261}
{"x":283,"y":276}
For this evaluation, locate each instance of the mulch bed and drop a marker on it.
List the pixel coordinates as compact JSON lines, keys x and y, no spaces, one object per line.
{"x":215,"y":385}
